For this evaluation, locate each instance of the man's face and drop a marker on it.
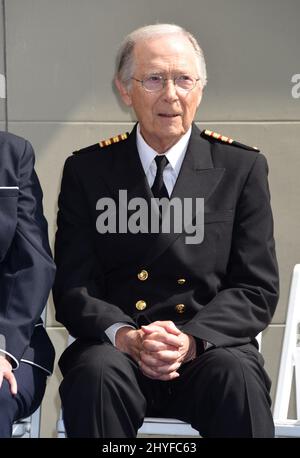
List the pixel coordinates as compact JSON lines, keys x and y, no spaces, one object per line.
{"x":164,"y":116}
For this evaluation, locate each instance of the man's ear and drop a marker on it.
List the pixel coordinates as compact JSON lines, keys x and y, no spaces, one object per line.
{"x":124,"y":92}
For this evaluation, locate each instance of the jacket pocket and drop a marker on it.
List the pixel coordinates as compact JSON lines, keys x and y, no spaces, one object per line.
{"x":9,"y":191}
{"x":218,"y":217}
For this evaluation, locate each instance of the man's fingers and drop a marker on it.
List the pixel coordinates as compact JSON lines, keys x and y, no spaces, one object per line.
{"x":172,"y":329}
{"x":12,"y":381}
{"x":153,"y":327}
{"x":149,"y":329}
{"x":9,"y":376}
{"x":165,"y":338}
{"x":160,"y":358}
{"x":168,"y":326}
{"x":154,"y":346}
{"x":159,"y":332}
{"x":162,"y":370}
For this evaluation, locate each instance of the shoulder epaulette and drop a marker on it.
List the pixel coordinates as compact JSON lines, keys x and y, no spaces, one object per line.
{"x":116,"y":139}
{"x":224,"y":139}
{"x":102,"y":144}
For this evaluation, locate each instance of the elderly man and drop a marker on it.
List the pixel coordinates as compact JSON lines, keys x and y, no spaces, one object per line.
{"x":26,"y":277}
{"x":165,"y":325}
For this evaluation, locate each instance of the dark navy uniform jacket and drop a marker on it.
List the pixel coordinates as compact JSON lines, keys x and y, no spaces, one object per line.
{"x":223,"y":290}
{"x":26,"y":266}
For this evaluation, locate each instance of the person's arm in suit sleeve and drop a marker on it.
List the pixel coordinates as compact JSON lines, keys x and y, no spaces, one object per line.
{"x":27,"y":272}
{"x":247,"y":302}
{"x":79,"y":286}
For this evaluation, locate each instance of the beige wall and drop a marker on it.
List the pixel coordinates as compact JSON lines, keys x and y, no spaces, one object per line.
{"x":60,"y":60}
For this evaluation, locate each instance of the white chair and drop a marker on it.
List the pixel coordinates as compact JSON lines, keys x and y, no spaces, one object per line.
{"x":60,"y":427}
{"x":151,"y":426}
{"x":166,"y":427}
{"x":28,"y":427}
{"x":289,"y":365}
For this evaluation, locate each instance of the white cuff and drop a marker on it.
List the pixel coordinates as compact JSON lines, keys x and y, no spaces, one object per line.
{"x":112,"y":331}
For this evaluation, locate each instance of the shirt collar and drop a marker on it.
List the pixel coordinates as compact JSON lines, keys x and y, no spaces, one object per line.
{"x":175,"y":154}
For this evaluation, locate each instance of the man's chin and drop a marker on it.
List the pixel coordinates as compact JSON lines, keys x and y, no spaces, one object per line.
{"x":172,"y":133}
{"x":168,"y":138}
{"x":175,"y":121}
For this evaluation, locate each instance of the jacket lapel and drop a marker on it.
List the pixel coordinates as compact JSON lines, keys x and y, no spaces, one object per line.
{"x":126,"y":172}
{"x":197,"y":178}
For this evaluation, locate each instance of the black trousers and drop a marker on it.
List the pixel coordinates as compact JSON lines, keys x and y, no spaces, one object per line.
{"x":222,"y":393}
{"x":31,"y":388}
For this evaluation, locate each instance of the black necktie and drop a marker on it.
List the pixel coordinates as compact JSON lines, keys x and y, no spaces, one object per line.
{"x":159,"y":189}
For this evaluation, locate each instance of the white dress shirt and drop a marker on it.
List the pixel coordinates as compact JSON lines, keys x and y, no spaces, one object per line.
{"x":175,"y":156}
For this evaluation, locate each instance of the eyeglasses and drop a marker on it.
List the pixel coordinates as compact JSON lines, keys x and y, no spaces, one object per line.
{"x":155,"y":83}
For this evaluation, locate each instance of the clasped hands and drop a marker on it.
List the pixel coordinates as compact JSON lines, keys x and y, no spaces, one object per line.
{"x":159,"y":348}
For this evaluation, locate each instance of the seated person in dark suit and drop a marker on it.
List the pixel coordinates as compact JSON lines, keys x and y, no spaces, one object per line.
{"x":165,"y":321}
{"x":26,"y":277}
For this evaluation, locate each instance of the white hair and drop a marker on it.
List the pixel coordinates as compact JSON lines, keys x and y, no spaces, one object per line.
{"x":125,"y":60}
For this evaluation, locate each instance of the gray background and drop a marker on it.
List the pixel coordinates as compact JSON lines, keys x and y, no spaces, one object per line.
{"x":58,"y":57}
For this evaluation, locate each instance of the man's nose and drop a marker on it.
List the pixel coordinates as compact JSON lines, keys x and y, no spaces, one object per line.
{"x":170,"y":90}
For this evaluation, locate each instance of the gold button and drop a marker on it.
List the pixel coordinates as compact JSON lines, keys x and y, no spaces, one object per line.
{"x":141,"y":305}
{"x":181,"y":281}
{"x":180,"y":308}
{"x":143,"y":275}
